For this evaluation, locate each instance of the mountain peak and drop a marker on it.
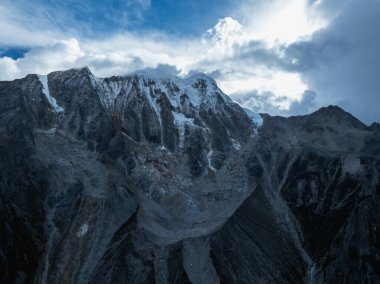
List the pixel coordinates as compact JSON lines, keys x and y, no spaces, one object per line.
{"x":375,"y":126}
{"x":181,"y":171}
{"x":200,"y":76}
{"x":158,"y":75}
{"x":335,"y":114}
{"x":331,"y":109}
{"x":84,"y":70}
{"x":194,"y":91}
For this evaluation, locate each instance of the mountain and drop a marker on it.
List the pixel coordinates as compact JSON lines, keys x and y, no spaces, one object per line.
{"x":152,"y":179}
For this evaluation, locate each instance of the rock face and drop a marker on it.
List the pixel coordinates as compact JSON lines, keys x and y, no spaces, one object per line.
{"x":141,"y":179}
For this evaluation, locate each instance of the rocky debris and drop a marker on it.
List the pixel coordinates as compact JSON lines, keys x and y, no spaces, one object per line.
{"x":142,"y":179}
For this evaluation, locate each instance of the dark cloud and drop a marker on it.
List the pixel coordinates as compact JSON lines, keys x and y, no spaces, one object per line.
{"x":342,"y":62}
{"x":306,"y":105}
{"x":257,"y":53}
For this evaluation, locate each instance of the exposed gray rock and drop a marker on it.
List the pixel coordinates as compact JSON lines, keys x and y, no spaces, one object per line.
{"x":197,"y":261}
{"x":139,"y":179}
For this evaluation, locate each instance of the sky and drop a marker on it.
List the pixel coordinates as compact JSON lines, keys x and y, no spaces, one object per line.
{"x":273,"y":56}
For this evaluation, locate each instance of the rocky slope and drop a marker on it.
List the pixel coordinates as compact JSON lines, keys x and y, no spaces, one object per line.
{"x":142,"y":179}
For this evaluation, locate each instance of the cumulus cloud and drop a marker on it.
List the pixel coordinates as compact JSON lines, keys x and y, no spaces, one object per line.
{"x":268,"y":102}
{"x":238,"y":63}
{"x":226,"y":32}
{"x":341,"y":62}
{"x":269,"y":55}
{"x":60,"y":54}
{"x":8,"y":69}
{"x":118,"y":55}
{"x":278,"y":21}
{"x":338,"y":58}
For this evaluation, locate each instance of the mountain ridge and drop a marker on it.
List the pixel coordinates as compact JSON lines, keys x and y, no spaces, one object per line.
{"x":139,"y":180}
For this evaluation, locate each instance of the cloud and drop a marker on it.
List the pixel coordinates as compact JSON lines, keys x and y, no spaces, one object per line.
{"x":225,"y":50}
{"x":116,"y":55}
{"x":268,"y":102}
{"x":341,"y":62}
{"x":38,"y":22}
{"x":161,"y":71}
{"x":20,"y":29}
{"x":225,"y":31}
{"x":278,"y":21}
{"x":8,"y":69}
{"x":268,"y":54}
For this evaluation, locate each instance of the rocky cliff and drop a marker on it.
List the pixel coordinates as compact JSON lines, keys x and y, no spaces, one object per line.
{"x":143,"y":179}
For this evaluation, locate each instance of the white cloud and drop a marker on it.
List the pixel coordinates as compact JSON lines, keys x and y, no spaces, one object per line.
{"x":281,"y":21}
{"x":264,"y":47}
{"x":17,"y":29}
{"x":281,"y":84}
{"x":227,"y":30}
{"x":112,"y":56}
{"x":287,"y":22}
{"x":266,"y":102}
{"x":8,"y":69}
{"x":221,"y":49}
{"x":244,"y":65}
{"x":58,"y":55}
{"x":243,"y":54}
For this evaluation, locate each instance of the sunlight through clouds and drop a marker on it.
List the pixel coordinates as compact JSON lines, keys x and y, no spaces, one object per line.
{"x":284,"y":48}
{"x":286,"y":22}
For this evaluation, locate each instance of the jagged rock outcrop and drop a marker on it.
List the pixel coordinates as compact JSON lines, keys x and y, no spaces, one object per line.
{"x":142,"y":179}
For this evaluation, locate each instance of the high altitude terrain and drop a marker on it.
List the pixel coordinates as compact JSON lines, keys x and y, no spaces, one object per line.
{"x":141,"y":179}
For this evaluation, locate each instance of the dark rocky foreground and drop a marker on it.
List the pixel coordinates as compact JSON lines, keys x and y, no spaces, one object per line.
{"x":136,"y":179}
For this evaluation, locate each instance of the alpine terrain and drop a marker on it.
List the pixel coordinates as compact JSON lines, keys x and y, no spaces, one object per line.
{"x":152,"y":179}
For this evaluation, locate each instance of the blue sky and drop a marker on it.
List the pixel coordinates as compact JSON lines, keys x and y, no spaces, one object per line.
{"x":99,"y":18}
{"x":188,"y":18}
{"x":281,"y":57}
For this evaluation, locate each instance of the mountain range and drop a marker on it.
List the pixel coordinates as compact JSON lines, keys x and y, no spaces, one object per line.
{"x":146,"y":178}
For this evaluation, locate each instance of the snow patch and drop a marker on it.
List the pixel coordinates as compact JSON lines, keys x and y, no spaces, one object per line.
{"x":83,"y":230}
{"x":185,"y":87}
{"x":109,"y":90}
{"x":180,"y":121}
{"x":256,"y":119}
{"x":45,"y":89}
{"x":198,"y":94}
{"x":209,"y":156}
{"x":49,"y":131}
{"x":312,"y":274}
{"x":200,"y":89}
{"x":236,"y":144}
{"x":152,"y":102}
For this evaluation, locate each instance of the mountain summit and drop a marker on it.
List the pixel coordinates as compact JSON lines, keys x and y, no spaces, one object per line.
{"x":144,"y":178}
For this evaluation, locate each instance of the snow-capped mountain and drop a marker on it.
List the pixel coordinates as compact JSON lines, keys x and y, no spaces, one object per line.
{"x":149,"y":178}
